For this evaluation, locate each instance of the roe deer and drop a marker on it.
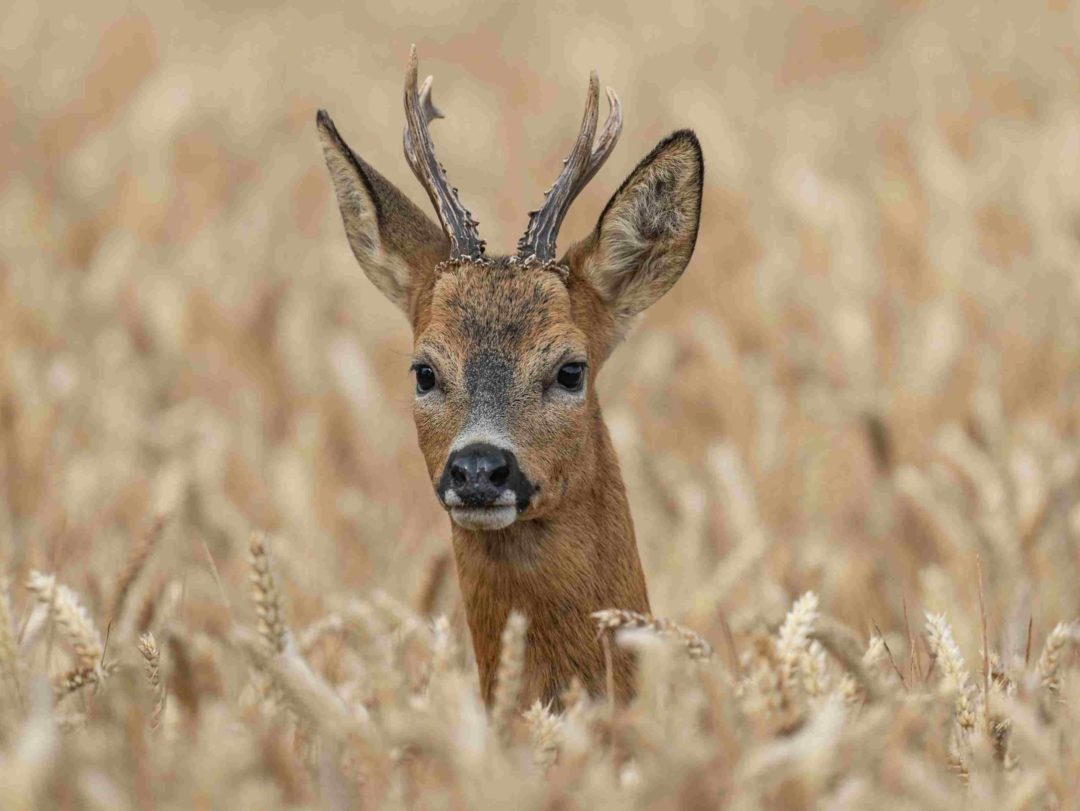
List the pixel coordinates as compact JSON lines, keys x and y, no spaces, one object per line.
{"x":506,"y":351}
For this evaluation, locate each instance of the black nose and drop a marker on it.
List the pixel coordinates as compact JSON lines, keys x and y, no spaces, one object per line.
{"x":478,"y":475}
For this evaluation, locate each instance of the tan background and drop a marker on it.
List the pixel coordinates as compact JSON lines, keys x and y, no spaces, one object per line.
{"x":887,"y":276}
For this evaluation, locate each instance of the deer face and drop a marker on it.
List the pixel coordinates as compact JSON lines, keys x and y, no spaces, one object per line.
{"x":506,"y":350}
{"x":503,"y":401}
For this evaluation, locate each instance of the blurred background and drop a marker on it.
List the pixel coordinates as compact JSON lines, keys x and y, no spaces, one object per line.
{"x":866,"y":379}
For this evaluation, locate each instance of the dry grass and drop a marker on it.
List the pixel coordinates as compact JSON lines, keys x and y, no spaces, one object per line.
{"x":864,"y":391}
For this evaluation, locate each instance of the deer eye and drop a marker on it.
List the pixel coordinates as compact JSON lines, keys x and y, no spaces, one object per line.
{"x":425,"y":378}
{"x":571,"y":376}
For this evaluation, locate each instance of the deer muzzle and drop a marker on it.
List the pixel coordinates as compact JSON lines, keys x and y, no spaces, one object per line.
{"x":483,"y":487}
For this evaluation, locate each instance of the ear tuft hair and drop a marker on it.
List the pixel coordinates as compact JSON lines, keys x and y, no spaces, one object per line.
{"x":647,"y":232}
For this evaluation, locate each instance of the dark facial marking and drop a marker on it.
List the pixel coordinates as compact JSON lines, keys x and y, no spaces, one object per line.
{"x":488,"y":380}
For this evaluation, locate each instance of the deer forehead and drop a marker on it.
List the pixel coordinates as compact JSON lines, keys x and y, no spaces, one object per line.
{"x":488,"y":318}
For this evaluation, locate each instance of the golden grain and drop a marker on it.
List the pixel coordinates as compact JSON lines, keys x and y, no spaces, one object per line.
{"x":133,"y":568}
{"x":865,"y":382}
{"x":1058,"y":643}
{"x":152,"y":664}
{"x":508,"y":677}
{"x":269,"y":603}
{"x":614,"y":619}
{"x":544,"y":732}
{"x":70,"y":617}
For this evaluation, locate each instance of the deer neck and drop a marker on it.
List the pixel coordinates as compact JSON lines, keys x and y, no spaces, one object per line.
{"x":556,"y":570}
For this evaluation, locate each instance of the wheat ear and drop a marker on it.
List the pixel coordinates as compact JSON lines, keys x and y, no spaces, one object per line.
{"x":951,"y":663}
{"x":793,"y":639}
{"x":134,"y":566}
{"x":152,"y":655}
{"x":1053,"y":652}
{"x":80,"y":677}
{"x":70,"y":617}
{"x":269,"y":604}
{"x":615,"y":619}
{"x":511,"y":667}
{"x":545,"y":733}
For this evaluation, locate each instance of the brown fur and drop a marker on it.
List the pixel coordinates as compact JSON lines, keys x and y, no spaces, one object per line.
{"x":572,"y":550}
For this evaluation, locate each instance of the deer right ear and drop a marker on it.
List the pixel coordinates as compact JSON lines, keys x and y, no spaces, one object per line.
{"x":392,"y":239}
{"x":647,"y":232}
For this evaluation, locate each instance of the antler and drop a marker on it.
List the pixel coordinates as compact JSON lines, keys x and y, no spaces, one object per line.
{"x":456,"y":220}
{"x":586,"y":158}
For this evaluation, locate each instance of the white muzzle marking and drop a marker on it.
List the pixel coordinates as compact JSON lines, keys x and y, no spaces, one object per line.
{"x":484,"y":518}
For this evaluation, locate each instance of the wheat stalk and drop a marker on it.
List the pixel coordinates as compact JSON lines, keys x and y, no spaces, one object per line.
{"x":616,"y":619}
{"x":943,"y":645}
{"x":152,"y":665}
{"x":306,"y":691}
{"x":844,"y":646}
{"x":269,"y":604}
{"x":1053,"y":653}
{"x":77,"y":678}
{"x":815,"y":675}
{"x":329,"y":625}
{"x":70,"y":617}
{"x":793,"y":638}
{"x":545,"y":728}
{"x":875,"y":653}
{"x":10,"y":672}
{"x":181,"y":672}
{"x":508,"y":678}
{"x":134,"y":566}
{"x":954,"y":672}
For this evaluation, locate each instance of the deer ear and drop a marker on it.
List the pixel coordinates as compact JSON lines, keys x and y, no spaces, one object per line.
{"x":392,"y":239}
{"x":646,"y":234}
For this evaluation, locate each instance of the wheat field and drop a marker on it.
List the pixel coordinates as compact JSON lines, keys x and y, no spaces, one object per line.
{"x":850,"y":435}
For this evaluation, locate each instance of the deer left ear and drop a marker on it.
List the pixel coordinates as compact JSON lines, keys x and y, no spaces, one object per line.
{"x":646,"y":234}
{"x":394,"y":242}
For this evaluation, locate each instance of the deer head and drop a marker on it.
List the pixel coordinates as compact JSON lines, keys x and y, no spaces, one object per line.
{"x":507,"y":348}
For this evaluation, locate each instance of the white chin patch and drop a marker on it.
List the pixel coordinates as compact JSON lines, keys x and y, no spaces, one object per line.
{"x":484,"y":518}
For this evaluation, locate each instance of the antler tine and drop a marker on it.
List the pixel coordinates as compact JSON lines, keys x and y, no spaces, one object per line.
{"x":606,"y":140}
{"x":584,"y":162}
{"x":456,"y":220}
{"x":431,"y":112}
{"x":538,"y":242}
